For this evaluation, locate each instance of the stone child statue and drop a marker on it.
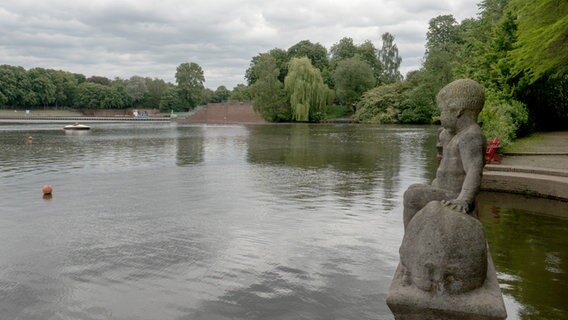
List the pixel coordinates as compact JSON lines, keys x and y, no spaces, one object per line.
{"x":458,"y":178}
{"x":445,"y":269}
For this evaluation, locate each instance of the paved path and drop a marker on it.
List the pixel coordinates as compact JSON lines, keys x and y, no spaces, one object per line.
{"x":539,"y":168}
{"x":549,"y":152}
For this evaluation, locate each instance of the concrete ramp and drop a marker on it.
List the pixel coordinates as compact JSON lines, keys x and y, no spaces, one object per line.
{"x":225,"y":113}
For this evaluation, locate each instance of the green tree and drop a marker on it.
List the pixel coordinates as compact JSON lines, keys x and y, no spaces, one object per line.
{"x":308,"y":94}
{"x":313,"y":51}
{"x":353,"y":77}
{"x":13,"y":83}
{"x":221,"y":94}
{"x":240,"y":93}
{"x":281,"y":59}
{"x":65,"y":87}
{"x":419,"y":105}
{"x":171,"y":101}
{"x":42,"y":87}
{"x":390,"y":60}
{"x":155,"y":89}
{"x":190,"y":78}
{"x":89,"y":95}
{"x":441,"y":32}
{"x":100,"y":80}
{"x":541,"y":38}
{"x":382,"y":104}
{"x":136,"y":89}
{"x":269,"y":98}
{"x":344,"y":49}
{"x":92,"y":95}
{"x":368,"y":53}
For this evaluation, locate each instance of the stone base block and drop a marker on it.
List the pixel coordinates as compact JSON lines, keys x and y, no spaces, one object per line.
{"x":407,"y":302}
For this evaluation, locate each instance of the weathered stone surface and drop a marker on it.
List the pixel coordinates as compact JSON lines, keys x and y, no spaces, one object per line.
{"x":445,"y":270}
{"x":407,"y":302}
{"x":444,"y":251}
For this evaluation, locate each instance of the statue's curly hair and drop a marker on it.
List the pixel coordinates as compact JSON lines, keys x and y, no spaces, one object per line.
{"x":462,"y":94}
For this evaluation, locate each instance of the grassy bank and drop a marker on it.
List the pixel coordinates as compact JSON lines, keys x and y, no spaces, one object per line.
{"x":526,"y":144}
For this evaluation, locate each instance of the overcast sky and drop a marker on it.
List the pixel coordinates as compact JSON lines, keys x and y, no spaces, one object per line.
{"x":150,"y":38}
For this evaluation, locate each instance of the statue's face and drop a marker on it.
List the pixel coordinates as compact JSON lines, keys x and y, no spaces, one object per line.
{"x":448,"y":118}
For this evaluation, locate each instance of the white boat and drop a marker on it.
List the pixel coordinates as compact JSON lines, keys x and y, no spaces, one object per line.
{"x":76,"y":126}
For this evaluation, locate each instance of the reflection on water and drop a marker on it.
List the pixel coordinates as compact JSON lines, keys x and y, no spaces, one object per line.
{"x":227,"y":222}
{"x":530,"y":252}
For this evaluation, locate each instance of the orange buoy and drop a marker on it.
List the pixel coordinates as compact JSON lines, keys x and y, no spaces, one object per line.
{"x":47,"y":189}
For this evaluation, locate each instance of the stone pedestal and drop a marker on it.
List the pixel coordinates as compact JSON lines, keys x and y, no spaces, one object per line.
{"x":446,"y":271}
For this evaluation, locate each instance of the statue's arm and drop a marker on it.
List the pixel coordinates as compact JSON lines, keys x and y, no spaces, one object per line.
{"x":471,"y":149}
{"x":472,"y":156}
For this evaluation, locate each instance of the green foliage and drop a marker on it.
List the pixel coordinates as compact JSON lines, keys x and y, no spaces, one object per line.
{"x":518,"y":48}
{"x":100,"y":80}
{"x":281,"y":59}
{"x":308,"y":94}
{"x":155,"y":89}
{"x":207,"y":96}
{"x":221,"y":94}
{"x":13,"y":85}
{"x":190,"y":78}
{"x":313,"y":51}
{"x":92,"y":95}
{"x":42,"y":87}
{"x":171,"y":101}
{"x":57,"y":88}
{"x":240,"y":93}
{"x":382,"y":104}
{"x":136,"y":88}
{"x":400,"y":102}
{"x":389,"y":59}
{"x":353,"y":77}
{"x":344,"y":49}
{"x":269,"y":98}
{"x":502,"y":117}
{"x":542,"y":37}
{"x":65,"y":87}
{"x":368,"y":53}
{"x":441,"y":32}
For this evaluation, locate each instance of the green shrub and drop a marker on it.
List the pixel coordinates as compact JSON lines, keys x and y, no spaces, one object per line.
{"x":382,"y":104}
{"x":503,"y":118}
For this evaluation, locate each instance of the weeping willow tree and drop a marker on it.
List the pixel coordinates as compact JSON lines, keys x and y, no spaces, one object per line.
{"x":308,"y":94}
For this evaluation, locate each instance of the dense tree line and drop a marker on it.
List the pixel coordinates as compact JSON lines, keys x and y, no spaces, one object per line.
{"x":39,"y":87}
{"x":302,"y":82}
{"x":515,"y":48}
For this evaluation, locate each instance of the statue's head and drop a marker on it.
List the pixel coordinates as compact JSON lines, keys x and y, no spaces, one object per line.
{"x":461,"y":98}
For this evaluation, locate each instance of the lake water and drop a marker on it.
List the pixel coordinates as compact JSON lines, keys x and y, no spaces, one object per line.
{"x":158,"y":221}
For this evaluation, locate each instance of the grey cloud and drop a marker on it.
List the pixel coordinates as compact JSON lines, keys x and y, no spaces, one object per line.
{"x":151,"y":37}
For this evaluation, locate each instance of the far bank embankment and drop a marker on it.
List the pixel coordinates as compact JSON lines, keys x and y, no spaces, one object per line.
{"x":224,"y":113}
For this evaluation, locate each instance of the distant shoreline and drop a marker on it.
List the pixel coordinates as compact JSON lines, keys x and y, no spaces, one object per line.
{"x":68,"y":119}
